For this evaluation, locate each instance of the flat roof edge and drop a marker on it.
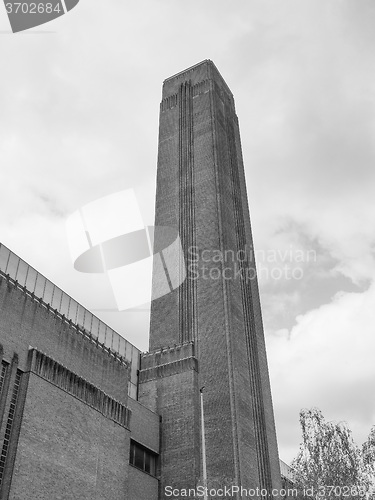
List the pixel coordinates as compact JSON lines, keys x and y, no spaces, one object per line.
{"x":205,"y":61}
{"x":186,"y":70}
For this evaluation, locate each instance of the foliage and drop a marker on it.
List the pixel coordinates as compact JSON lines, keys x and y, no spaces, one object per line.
{"x":368,"y":456}
{"x":329,"y":464}
{"x":368,"y":449}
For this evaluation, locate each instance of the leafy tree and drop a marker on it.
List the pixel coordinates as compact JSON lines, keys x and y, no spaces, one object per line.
{"x":368,"y":456}
{"x":329,"y":465}
{"x":368,"y":449}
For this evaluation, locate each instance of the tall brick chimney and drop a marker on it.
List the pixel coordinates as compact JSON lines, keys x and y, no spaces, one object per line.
{"x":208,"y":332}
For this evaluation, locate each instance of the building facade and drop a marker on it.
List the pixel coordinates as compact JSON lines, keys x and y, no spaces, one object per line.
{"x":214,"y":317}
{"x":83,"y":413}
{"x":70,"y":423}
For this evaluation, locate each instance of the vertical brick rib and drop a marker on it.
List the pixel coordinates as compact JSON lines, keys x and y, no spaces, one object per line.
{"x":187,"y":291}
{"x":221,"y":235}
{"x":252,"y":345}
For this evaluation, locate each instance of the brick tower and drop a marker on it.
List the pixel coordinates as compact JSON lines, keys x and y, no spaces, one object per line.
{"x":208,"y":331}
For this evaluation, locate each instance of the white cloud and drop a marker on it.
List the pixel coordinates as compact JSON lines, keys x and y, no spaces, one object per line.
{"x":79,"y":122}
{"x":326,"y":361}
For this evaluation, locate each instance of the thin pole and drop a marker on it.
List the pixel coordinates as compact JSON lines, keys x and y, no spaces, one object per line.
{"x":203,"y":447}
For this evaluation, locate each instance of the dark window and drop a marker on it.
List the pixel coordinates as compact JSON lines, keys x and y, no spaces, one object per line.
{"x":139,"y":457}
{"x":147,"y":463}
{"x":142,"y":458}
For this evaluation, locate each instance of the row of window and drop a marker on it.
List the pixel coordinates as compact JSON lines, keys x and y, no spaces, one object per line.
{"x":9,"y":423}
{"x":142,"y":458}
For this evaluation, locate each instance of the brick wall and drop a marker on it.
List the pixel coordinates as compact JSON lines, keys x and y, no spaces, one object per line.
{"x":71,"y":428}
{"x":201,"y":192}
{"x":142,"y":486}
{"x":24,"y":322}
{"x":67,"y":450}
{"x":169,"y":379}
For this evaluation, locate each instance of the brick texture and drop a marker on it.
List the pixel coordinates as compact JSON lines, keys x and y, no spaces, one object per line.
{"x":201,"y":192}
{"x":73,"y":420}
{"x":49,"y":464}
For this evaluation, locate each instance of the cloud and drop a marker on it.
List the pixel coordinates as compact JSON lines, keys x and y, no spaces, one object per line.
{"x":80,"y":119}
{"x":326,"y":361}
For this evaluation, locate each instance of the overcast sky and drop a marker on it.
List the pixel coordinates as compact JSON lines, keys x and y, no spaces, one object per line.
{"x":79,"y":120}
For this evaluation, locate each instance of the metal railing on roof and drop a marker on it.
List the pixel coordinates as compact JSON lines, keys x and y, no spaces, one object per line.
{"x":56,"y":299}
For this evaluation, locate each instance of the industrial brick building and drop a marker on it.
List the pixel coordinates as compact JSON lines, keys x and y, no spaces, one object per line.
{"x":83,"y":413}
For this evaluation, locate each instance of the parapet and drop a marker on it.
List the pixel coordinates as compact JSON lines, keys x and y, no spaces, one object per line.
{"x":203,"y":71}
{"x":168,"y":361}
